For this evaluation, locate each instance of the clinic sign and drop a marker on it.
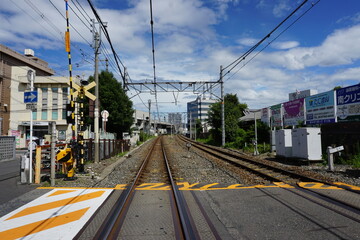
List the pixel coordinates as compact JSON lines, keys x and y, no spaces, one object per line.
{"x":348,"y":103}
{"x":294,"y":112}
{"x":320,"y":108}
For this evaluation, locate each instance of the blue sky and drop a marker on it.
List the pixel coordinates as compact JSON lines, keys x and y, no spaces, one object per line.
{"x":193,"y":38}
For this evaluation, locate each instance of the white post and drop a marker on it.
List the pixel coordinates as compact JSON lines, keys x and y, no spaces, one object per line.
{"x":256,"y":142}
{"x":52,"y":156}
{"x":31,"y":77}
{"x":330,"y":159}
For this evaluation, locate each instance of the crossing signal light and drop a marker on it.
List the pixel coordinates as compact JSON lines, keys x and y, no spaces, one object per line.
{"x":70,"y":113}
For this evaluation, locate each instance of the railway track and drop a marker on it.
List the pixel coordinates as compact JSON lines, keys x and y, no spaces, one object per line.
{"x":266,"y":171}
{"x":277,"y":174}
{"x":155,"y":168}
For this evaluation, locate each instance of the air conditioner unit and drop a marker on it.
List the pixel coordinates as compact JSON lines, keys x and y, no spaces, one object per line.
{"x":29,"y":53}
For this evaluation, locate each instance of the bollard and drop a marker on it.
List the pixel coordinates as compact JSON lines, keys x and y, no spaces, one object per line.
{"x":330,"y":151}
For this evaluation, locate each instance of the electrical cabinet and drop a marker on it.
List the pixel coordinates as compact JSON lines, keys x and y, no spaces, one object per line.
{"x":283,"y":143}
{"x":306,"y":143}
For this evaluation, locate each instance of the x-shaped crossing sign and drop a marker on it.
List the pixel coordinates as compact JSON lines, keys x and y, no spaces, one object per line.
{"x":86,"y":88}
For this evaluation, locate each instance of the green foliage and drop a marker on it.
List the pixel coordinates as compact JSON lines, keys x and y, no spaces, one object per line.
{"x":113,"y":99}
{"x":143,"y":136}
{"x":233,"y":111}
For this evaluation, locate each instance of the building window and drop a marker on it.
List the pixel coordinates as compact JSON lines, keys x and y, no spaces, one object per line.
{"x":54,"y":115}
{"x":65,"y":93}
{"x":44,"y":103}
{"x":44,"y":114}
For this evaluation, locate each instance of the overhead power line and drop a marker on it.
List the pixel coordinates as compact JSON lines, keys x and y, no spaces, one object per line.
{"x":287,"y":28}
{"x":117,"y":59}
{"x":153,"y":54}
{"x":237,"y":61}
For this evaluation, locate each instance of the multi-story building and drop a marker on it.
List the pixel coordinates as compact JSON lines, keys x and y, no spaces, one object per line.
{"x":51,"y":99}
{"x":198,"y":109}
{"x":8,"y":60}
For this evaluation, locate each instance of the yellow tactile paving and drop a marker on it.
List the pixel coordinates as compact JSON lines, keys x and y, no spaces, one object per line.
{"x":60,"y":213}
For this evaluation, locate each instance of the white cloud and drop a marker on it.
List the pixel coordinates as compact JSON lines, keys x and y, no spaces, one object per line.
{"x":281,"y":8}
{"x":285,"y":45}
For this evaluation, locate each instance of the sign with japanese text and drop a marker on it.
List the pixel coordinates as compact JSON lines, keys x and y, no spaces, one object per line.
{"x":348,"y":103}
{"x":320,"y":108}
{"x":265,"y":115}
{"x":276,"y":115}
{"x":294,"y":112}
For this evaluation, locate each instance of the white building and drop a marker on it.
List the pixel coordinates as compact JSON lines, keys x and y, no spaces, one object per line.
{"x":198,"y":109}
{"x":51,"y":106}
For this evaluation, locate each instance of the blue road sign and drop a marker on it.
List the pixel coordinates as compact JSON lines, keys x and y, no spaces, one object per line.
{"x":30,"y":97}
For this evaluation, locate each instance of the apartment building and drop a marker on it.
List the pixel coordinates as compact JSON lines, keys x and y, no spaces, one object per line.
{"x":52,"y":96}
{"x":198,"y":109}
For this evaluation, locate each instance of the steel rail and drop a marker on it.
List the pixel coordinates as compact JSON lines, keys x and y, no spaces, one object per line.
{"x":245,"y":158}
{"x":255,"y":169}
{"x":113,"y":222}
{"x":187,"y":223}
{"x":183,"y":223}
{"x":338,"y":202}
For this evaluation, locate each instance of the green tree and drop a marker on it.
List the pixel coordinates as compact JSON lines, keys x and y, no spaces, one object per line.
{"x":233,"y":111}
{"x":113,"y":98}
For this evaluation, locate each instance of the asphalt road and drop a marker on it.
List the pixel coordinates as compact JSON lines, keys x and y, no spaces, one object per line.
{"x":10,"y":186}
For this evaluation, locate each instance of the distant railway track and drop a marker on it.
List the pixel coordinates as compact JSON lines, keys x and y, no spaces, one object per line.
{"x":266,"y":171}
{"x":155,"y":168}
{"x":275,"y":174}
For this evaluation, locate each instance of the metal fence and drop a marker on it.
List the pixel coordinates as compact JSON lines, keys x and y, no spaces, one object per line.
{"x":7,"y":147}
{"x":108,"y":148}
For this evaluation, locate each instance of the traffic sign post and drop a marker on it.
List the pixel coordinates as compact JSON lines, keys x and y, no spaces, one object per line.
{"x":30,"y":97}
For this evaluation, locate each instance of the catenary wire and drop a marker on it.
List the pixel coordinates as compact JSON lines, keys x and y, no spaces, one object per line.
{"x":153,"y":55}
{"x":117,"y":59}
{"x":81,"y":12}
{"x":247,"y":53}
{"x":287,"y":28}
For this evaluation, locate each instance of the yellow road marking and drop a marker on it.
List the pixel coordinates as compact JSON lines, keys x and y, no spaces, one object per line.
{"x":39,"y":226}
{"x":120,"y":187}
{"x":60,"y":203}
{"x":186,"y":186}
{"x":347,"y":185}
{"x":316,"y":185}
{"x":153,"y":186}
{"x":59,"y":192}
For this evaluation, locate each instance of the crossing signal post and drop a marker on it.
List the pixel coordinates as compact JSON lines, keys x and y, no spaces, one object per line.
{"x":80,"y":94}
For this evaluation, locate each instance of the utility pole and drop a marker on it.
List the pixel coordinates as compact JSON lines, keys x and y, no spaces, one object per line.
{"x":31,"y":78}
{"x":96,"y":46}
{"x":222,"y":107}
{"x":52,"y":154}
{"x":190,"y":125}
{"x":256,"y":152}
{"x":149,"y":101}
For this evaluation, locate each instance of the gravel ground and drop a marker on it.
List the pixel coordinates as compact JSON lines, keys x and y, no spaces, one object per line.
{"x":196,"y":167}
{"x":342,"y":173}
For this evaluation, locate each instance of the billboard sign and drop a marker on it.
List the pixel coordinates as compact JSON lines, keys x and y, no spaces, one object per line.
{"x":320,"y":108}
{"x":265,"y":115}
{"x":294,"y":112}
{"x":276,"y":115}
{"x":348,"y":103}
